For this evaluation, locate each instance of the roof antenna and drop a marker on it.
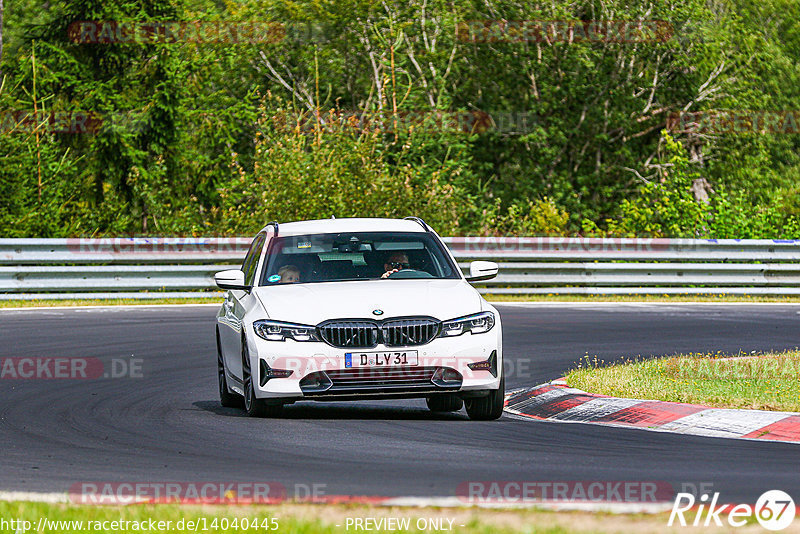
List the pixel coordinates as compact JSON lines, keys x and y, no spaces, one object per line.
{"x":333,"y":216}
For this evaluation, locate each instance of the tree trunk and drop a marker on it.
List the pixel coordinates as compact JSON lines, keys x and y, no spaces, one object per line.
{"x":1,"y":36}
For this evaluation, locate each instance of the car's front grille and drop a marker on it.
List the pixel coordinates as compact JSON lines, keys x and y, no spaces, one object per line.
{"x":349,"y":333}
{"x":369,"y":380}
{"x":406,"y":332}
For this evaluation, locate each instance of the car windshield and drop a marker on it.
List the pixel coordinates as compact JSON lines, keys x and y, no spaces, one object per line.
{"x":355,"y":256}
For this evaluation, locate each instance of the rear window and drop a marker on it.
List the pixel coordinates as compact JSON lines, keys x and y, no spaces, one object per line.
{"x":355,"y":256}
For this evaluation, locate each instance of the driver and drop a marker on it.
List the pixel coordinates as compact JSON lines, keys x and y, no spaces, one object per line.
{"x":396,"y":261}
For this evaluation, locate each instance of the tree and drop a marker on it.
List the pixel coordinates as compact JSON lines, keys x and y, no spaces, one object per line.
{"x":1,"y":35}
{"x":576,"y":131}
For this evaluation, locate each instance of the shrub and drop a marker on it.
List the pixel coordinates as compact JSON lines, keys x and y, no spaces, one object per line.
{"x":343,"y":171}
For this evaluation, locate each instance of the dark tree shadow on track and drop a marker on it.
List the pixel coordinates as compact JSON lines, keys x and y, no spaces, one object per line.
{"x":338,"y":410}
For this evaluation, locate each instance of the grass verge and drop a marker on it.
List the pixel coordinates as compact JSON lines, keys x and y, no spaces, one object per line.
{"x":49,"y":303}
{"x":102,"y":302}
{"x":767,"y":381}
{"x":710,"y":297}
{"x":309,"y":518}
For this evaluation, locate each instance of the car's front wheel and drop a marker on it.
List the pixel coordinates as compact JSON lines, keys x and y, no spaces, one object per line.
{"x":254,"y":406}
{"x":444,"y":403}
{"x":488,"y":407}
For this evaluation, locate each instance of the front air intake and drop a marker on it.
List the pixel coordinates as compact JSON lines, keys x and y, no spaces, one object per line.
{"x":365,"y":381}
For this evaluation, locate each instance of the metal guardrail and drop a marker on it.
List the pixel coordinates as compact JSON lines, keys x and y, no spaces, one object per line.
{"x":123,"y":250}
{"x":174,"y":267}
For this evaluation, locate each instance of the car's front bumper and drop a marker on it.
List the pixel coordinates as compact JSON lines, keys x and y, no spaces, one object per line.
{"x":307,"y":360}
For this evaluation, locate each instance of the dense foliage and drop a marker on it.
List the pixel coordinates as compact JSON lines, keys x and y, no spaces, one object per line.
{"x":367,"y":108}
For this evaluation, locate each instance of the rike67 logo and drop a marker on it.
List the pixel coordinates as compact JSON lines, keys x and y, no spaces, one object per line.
{"x":774,"y":510}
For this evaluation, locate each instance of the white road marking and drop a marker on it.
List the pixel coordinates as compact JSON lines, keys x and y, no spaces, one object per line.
{"x":32,"y":496}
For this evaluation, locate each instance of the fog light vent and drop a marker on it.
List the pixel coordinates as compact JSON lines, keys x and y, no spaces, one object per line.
{"x":486,"y":365}
{"x":265,"y":373}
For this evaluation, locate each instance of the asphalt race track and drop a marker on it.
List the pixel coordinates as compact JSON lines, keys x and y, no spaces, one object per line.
{"x":167,"y":425}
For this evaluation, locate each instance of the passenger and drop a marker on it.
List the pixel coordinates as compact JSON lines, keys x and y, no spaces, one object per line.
{"x":289,"y":274}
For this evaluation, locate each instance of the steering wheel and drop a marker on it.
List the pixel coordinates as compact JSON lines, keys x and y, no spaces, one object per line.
{"x":410,"y":273}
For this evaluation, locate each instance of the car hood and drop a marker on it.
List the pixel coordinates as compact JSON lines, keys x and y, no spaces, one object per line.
{"x":317,"y":302}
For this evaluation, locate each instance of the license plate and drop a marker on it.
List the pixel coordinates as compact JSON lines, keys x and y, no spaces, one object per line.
{"x":380,"y":359}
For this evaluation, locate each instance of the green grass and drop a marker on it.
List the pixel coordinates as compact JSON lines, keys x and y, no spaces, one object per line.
{"x":766,"y":381}
{"x":310,"y":518}
{"x":103,"y":302}
{"x":492,"y":298}
{"x":710,"y":297}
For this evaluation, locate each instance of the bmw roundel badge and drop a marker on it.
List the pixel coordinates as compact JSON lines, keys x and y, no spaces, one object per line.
{"x":377,"y":312}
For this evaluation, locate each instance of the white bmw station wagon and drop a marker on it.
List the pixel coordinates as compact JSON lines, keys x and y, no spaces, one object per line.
{"x":350,"y":309}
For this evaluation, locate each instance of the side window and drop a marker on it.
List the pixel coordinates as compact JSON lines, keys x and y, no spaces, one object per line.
{"x":251,"y":260}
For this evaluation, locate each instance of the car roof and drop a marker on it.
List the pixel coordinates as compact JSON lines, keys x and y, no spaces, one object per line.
{"x":330,"y":226}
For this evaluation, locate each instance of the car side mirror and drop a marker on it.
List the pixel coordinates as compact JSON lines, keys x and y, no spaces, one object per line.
{"x":231,"y":279}
{"x":482,"y":270}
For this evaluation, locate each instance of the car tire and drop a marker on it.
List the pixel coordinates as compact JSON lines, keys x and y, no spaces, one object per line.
{"x":254,"y":407}
{"x":488,"y":407}
{"x":444,"y":403}
{"x":226,"y":398}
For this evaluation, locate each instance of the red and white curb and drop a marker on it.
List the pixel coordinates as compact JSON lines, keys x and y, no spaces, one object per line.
{"x":555,"y":401}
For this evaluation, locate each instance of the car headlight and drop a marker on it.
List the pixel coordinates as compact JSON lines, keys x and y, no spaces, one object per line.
{"x":278,"y":331}
{"x":477,"y":324}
